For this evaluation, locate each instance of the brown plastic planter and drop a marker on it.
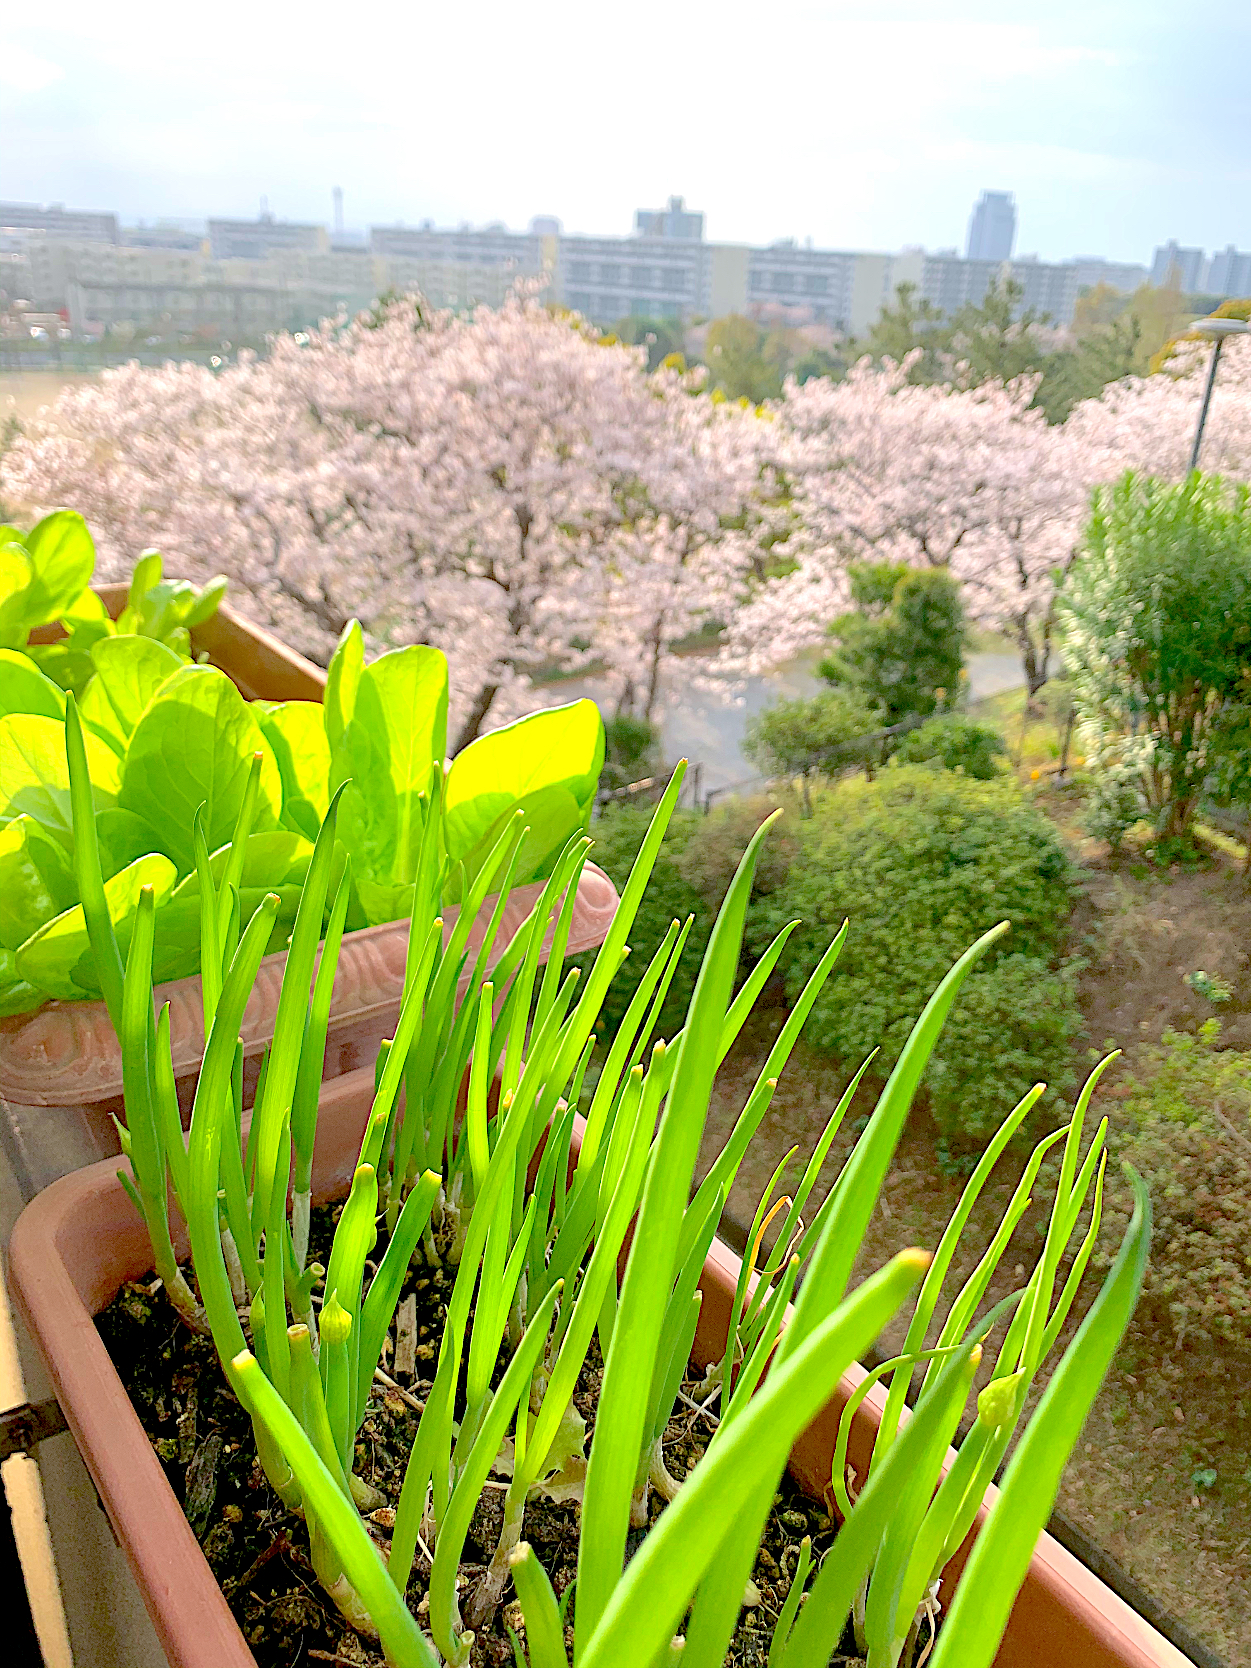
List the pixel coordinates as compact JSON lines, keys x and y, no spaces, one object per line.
{"x":78,"y":1242}
{"x":251,"y":657}
{"x":65,"y":1055}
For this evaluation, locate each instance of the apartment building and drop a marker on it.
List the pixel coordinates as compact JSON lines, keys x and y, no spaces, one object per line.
{"x":526,"y":254}
{"x":1120,"y":275}
{"x":234,"y":311}
{"x":1230,"y":273}
{"x":610,"y":278}
{"x":163,"y":236}
{"x":1187,"y":268}
{"x":56,"y":221}
{"x":949,"y":282}
{"x":55,"y":263}
{"x":255,"y":239}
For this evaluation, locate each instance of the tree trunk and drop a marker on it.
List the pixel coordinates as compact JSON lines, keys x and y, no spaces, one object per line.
{"x":653,"y":685}
{"x":475,"y":717}
{"x":1034,"y":663}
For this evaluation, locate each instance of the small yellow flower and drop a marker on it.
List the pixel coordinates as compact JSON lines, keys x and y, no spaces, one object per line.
{"x":1034,"y":775}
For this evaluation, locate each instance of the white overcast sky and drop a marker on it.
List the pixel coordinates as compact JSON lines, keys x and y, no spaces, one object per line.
{"x":1117,"y":123}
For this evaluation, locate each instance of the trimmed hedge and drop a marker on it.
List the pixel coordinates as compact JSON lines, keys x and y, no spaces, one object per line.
{"x":956,"y":742}
{"x":921,"y":861}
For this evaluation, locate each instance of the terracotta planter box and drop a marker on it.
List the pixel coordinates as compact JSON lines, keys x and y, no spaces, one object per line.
{"x":75,"y":1246}
{"x":66,"y":1055}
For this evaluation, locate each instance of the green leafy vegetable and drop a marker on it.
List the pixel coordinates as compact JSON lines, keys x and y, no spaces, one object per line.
{"x":40,"y":581}
{"x":58,"y":958}
{"x":193,"y":746}
{"x":274,"y":862}
{"x":33,"y":775}
{"x":36,"y":884}
{"x":23,"y":688}
{"x":548,"y":764}
{"x":396,"y":733}
{"x":128,"y":673}
{"x":296,"y":731}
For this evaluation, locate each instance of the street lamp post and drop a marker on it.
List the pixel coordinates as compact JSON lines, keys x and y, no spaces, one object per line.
{"x":1215,"y":331}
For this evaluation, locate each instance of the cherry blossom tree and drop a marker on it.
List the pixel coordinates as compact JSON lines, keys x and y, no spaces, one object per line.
{"x":506,"y":486}
{"x":522,"y":493}
{"x":1147,"y":423}
{"x":690,"y":549}
{"x":972,"y":480}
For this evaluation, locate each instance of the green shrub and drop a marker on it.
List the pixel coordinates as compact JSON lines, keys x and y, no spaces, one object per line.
{"x":958,"y":743}
{"x":631,"y":750}
{"x":921,"y":861}
{"x":792,"y":737}
{"x":1156,"y":621}
{"x":902,"y":646}
{"x":1188,"y":1136}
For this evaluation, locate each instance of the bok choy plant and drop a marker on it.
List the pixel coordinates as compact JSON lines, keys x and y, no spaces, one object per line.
{"x":163,"y":739}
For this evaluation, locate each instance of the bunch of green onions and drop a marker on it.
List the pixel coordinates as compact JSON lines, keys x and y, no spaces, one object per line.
{"x":532,"y":1207}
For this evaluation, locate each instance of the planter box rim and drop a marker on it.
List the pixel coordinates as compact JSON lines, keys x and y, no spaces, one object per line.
{"x":79,"y":1240}
{"x":67,"y":1054}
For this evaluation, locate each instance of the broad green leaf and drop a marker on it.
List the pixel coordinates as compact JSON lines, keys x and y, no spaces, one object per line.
{"x":34,"y":777}
{"x":296,"y":730}
{"x":397,"y":731}
{"x":36,"y":882}
{"x":193,"y":746}
{"x":148,"y":571}
{"x":128,"y":673}
{"x":68,"y":661}
{"x":205,"y":602}
{"x":123,"y":836}
{"x":23,"y":688}
{"x":58,"y":958}
{"x":343,"y":676}
{"x":15,"y":582}
{"x":87,"y":610}
{"x":60,"y":558}
{"x":166,"y":609}
{"x":276,"y":861}
{"x":547,"y":763}
{"x":382,"y":903}
{"x":17,"y":995}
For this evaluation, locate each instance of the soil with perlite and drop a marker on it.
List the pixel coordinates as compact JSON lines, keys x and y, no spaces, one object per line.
{"x":258,"y":1550}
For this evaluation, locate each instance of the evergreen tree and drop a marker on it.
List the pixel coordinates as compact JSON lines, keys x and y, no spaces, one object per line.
{"x":902,"y":645}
